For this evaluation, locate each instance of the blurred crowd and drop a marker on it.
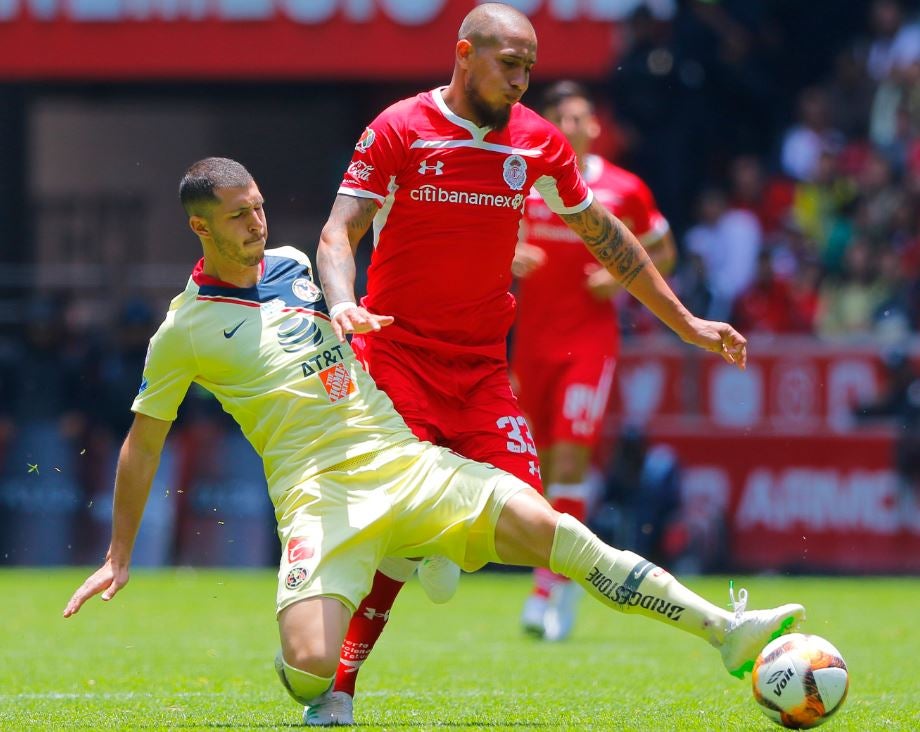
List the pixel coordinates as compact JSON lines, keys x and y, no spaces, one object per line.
{"x":808,"y":219}
{"x":786,"y":158}
{"x":65,"y":398}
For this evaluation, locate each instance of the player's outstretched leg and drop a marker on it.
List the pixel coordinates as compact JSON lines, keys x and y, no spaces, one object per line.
{"x":550,"y":608}
{"x":629,"y":583}
{"x":311,"y":635}
{"x":529,"y":531}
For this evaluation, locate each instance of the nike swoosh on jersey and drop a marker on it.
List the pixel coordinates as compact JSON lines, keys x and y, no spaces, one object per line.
{"x":232,"y":332}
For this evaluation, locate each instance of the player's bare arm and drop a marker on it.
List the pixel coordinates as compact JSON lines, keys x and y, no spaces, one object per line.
{"x":137,"y":465}
{"x":621,"y":253}
{"x":662,"y":251}
{"x":348,"y":221}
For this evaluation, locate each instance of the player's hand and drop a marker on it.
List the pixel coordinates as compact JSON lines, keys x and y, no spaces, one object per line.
{"x":107,"y":579}
{"x":527,"y":258}
{"x":358,"y":320}
{"x":719,"y":338}
{"x":600,"y":283}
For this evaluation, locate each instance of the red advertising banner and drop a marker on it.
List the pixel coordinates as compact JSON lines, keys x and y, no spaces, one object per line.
{"x":279,"y":39}
{"x":777,"y":452}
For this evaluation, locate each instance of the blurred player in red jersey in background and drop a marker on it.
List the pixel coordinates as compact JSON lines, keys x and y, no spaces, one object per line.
{"x":443,"y":177}
{"x":566,"y":337}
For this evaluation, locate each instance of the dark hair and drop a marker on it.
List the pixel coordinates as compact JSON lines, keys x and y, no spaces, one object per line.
{"x":557,"y":93}
{"x":196,"y":190}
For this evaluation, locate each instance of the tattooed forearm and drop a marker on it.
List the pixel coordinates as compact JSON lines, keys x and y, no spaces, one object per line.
{"x":335,"y":260}
{"x":335,"y":263}
{"x":609,"y":241}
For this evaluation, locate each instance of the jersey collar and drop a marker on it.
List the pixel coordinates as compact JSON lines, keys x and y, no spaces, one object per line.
{"x":203,"y":280}
{"x":477,"y":132}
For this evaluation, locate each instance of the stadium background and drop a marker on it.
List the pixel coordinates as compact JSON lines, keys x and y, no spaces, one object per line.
{"x":779,"y":137}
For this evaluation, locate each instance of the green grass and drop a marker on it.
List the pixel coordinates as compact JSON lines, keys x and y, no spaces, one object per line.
{"x":193,"y":650}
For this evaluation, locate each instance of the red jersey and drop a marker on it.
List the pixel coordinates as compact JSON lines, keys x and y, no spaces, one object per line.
{"x":554,"y":304}
{"x":451,"y":197}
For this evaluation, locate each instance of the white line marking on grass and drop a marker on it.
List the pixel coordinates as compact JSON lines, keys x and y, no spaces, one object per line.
{"x":103,"y":695}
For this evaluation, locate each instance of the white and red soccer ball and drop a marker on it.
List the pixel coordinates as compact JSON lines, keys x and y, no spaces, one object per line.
{"x":800,"y":680}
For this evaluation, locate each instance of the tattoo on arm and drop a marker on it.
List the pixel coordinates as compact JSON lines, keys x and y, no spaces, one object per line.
{"x":335,"y":259}
{"x":603,"y":234}
{"x":352,"y":215}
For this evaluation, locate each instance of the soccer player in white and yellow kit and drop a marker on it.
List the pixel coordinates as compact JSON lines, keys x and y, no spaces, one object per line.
{"x":349,"y":482}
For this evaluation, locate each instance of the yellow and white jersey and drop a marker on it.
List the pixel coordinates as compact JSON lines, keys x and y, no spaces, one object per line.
{"x":269,"y":355}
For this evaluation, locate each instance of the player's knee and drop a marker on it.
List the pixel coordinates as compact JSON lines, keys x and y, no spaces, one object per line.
{"x":321,"y":661}
{"x":525,"y":529}
{"x":303,"y":685}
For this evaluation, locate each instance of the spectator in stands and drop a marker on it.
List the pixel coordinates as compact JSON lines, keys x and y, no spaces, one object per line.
{"x":766,"y":306}
{"x":42,"y":410}
{"x":822,"y":207}
{"x":849,"y":302}
{"x":881,"y":197}
{"x":900,"y":402}
{"x":897,"y":40}
{"x":728,"y":241}
{"x":641,"y":494}
{"x":115,"y":375}
{"x":805,"y":142}
{"x":804,"y":291}
{"x":768,"y":198}
{"x":849,"y":94}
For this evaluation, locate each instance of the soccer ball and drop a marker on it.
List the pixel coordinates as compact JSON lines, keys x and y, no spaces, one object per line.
{"x":800,"y":680}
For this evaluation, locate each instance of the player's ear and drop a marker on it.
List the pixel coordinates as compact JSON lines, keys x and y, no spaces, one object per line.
{"x":464,"y":51}
{"x":594,"y":127}
{"x":199,"y":225}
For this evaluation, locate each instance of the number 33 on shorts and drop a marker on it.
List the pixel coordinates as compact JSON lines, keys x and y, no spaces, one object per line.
{"x":519,"y":439}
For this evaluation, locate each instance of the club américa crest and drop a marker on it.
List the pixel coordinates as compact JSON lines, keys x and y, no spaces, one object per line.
{"x":306,"y":290}
{"x":295,"y":578}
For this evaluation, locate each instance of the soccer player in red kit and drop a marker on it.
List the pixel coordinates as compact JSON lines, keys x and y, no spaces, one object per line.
{"x":443,"y":177}
{"x":566,"y":337}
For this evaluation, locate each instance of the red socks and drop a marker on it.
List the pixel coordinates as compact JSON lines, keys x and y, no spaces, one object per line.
{"x":364,"y":629}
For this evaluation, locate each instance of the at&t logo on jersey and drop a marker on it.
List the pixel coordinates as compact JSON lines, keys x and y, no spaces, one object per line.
{"x":434,"y":194}
{"x":298,"y":332}
{"x":515,"y":172}
{"x":366,"y":140}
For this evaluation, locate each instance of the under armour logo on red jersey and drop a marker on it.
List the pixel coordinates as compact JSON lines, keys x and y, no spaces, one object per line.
{"x":437,"y":167}
{"x":372,"y":614}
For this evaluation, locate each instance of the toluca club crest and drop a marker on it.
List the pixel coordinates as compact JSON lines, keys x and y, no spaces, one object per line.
{"x":515,"y":172}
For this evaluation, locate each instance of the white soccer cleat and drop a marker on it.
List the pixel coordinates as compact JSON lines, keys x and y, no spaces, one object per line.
{"x":332,"y":709}
{"x":751,"y":630}
{"x":559,"y":618}
{"x":533,"y":615}
{"x":439,"y":578}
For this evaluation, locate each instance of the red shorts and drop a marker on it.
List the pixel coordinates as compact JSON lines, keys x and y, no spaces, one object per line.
{"x":464,"y":403}
{"x":565,"y":401}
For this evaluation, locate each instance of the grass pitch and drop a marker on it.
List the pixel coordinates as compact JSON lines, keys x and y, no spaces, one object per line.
{"x":193,"y":649}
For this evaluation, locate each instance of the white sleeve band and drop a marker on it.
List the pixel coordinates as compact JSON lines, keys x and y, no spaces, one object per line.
{"x":341,"y":307}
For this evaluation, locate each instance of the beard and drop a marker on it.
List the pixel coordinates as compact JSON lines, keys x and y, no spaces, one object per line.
{"x":496,"y":118}
{"x":234,"y":252}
